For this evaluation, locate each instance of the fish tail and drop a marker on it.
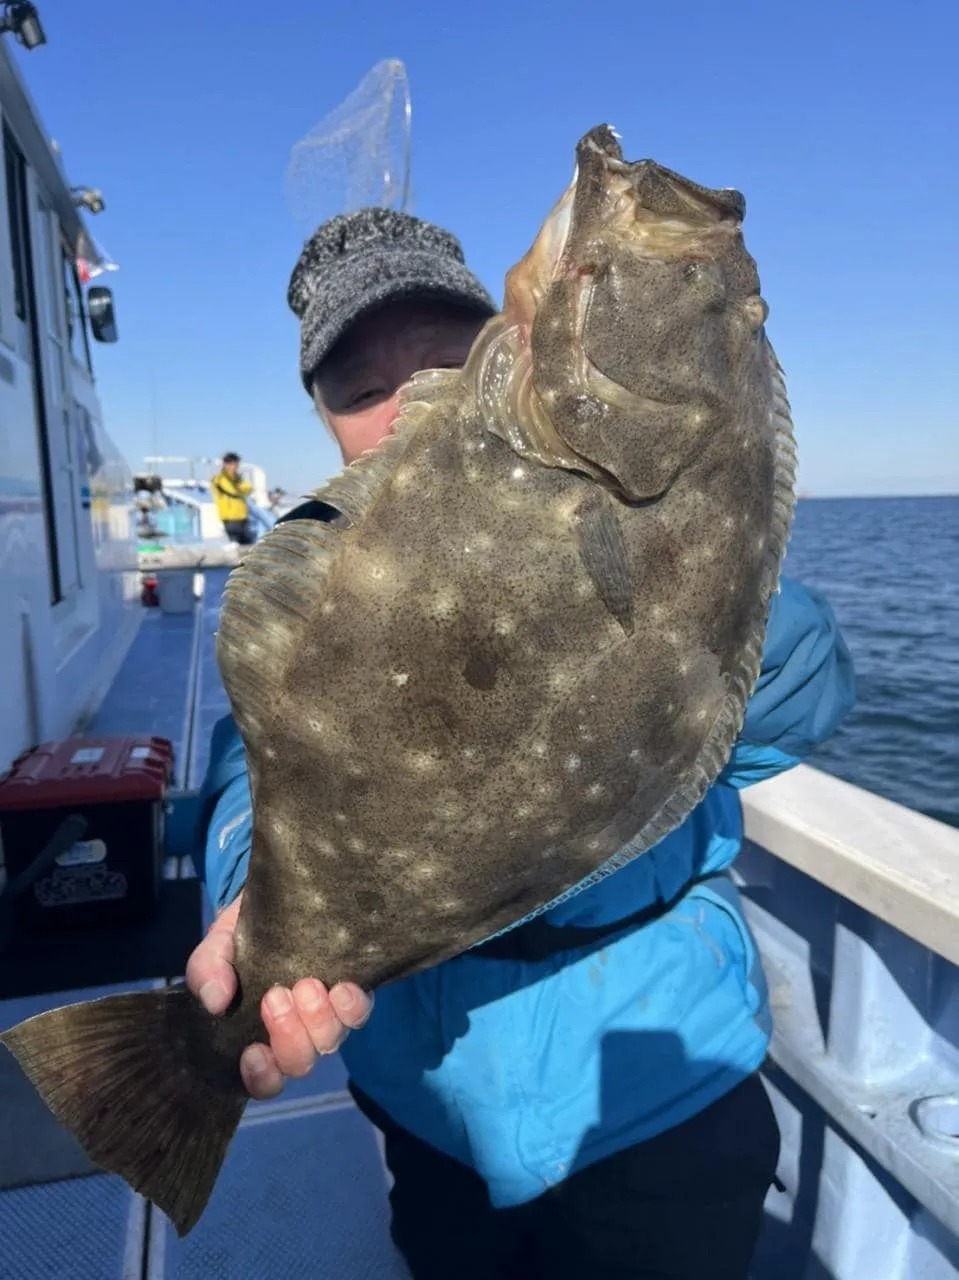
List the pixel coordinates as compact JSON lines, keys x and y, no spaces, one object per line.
{"x":140,"y":1082}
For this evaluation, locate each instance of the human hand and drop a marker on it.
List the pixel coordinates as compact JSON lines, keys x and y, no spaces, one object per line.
{"x":303,"y":1023}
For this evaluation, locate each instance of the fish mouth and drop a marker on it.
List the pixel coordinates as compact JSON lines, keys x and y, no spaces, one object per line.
{"x":612,"y":210}
{"x":663,"y":214}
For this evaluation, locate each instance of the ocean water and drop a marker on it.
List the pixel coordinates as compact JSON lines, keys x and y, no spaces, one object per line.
{"x":890,"y":569}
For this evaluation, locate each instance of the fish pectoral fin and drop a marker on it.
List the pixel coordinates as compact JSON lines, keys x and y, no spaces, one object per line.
{"x":602,"y":550}
{"x":123,"y":1075}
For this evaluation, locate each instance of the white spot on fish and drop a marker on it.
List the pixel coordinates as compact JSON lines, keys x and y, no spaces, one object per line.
{"x":450,"y":904}
{"x":355,"y":844}
{"x":399,"y":678}
{"x":343,"y":935}
{"x":560,"y":681}
{"x":421,"y":761}
{"x":504,"y":625}
{"x":340,"y":819}
{"x":573,"y":763}
{"x":443,"y":605}
{"x":702,"y":713}
{"x":326,"y":847}
{"x":327,"y":607}
{"x":522,"y":811}
{"x":700,"y":556}
{"x":372,"y":948}
{"x":318,"y":902}
{"x":518,"y":473}
{"x":538,"y":748}
{"x":449,"y":810}
{"x":592,"y":845}
{"x":377,"y":572}
{"x":316,"y":724}
{"x":728,"y":522}
{"x":595,"y":790}
{"x":760,"y":542}
{"x":424,"y":870}
{"x":671,"y":636}
{"x":656,"y":612}
{"x":635,"y":753}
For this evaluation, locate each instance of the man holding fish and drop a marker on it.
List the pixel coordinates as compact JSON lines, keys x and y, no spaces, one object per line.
{"x":494,"y":691}
{"x":578,"y":1097}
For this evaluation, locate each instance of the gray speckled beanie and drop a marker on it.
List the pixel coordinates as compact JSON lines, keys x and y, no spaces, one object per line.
{"x":355,"y":262}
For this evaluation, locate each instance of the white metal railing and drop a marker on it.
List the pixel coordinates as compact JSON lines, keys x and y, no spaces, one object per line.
{"x":854,"y":902}
{"x":897,"y":864}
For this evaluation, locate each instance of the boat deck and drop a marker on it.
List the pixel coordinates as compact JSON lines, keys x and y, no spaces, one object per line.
{"x":303,"y":1191}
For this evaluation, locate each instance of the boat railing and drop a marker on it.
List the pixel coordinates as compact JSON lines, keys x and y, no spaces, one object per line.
{"x":854,"y":901}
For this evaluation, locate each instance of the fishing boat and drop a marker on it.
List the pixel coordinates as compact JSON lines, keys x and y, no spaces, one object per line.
{"x":854,"y":899}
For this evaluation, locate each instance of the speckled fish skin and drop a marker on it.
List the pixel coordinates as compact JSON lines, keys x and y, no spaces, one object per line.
{"x":522,"y":662}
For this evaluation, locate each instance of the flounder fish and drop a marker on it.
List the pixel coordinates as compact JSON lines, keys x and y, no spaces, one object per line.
{"x":519,"y":660}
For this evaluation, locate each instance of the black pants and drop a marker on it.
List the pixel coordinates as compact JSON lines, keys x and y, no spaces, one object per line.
{"x":686,"y":1205}
{"x":239,"y":531}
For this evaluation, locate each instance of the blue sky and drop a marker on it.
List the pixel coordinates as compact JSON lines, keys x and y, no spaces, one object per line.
{"x":839,"y":121}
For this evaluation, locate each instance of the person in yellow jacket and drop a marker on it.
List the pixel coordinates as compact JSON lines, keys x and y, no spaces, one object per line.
{"x":230,"y":493}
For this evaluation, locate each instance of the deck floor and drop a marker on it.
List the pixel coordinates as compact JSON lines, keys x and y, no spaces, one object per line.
{"x":303,"y":1191}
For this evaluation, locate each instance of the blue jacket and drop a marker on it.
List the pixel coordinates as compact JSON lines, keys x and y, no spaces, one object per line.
{"x":528,"y":1069}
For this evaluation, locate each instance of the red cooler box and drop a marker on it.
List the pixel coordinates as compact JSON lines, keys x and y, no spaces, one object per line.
{"x":110,"y":875}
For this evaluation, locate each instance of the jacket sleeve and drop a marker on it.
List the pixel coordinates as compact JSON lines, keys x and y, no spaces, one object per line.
{"x":225,"y":827}
{"x":806,"y":687}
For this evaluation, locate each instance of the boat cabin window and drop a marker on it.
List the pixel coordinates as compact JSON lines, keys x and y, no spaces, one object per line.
{"x":76,"y":316}
{"x":16,"y":204}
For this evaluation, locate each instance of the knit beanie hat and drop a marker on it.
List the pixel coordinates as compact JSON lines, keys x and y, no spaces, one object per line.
{"x":355,"y":262}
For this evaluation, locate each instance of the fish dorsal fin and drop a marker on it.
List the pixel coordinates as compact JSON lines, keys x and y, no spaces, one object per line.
{"x":358,"y":486}
{"x":270,"y":598}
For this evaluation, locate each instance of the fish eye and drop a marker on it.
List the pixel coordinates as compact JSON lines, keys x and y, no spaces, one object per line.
{"x":708,"y":282}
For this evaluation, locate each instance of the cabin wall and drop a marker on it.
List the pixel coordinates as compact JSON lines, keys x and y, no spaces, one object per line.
{"x":68,"y":582}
